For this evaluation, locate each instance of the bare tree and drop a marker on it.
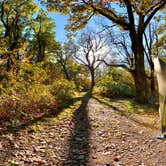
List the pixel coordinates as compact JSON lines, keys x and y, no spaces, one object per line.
{"x":64,"y":55}
{"x":153,"y":47}
{"x":121,"y":54}
{"x":91,"y":53}
{"x":150,"y":37}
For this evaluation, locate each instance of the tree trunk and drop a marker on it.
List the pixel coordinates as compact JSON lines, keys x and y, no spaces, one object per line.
{"x":67,"y":76}
{"x":41,"y":52}
{"x":152,"y":83}
{"x":92,"y":79}
{"x":140,"y":80}
{"x":63,"y":64}
{"x":153,"y":96}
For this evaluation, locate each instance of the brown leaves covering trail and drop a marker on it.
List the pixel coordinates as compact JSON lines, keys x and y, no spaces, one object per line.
{"x":95,"y":136}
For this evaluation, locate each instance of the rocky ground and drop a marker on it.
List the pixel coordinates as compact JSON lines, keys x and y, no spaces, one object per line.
{"x":90,"y":133}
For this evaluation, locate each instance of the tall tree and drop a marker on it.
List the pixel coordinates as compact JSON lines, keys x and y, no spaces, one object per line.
{"x":121,"y":55}
{"x":149,"y":37}
{"x":15,"y":16}
{"x":65,"y":57}
{"x":154,"y":42}
{"x":159,"y":46}
{"x":130,"y":15}
{"x":44,"y":35}
{"x":91,"y":53}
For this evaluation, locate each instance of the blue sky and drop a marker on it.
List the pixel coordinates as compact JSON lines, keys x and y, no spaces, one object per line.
{"x":61,"y":21}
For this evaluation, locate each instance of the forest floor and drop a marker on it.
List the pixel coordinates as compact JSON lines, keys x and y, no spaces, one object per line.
{"x":92,"y":132}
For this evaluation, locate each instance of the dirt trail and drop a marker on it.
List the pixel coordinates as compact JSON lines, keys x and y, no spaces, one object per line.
{"x":94,"y":135}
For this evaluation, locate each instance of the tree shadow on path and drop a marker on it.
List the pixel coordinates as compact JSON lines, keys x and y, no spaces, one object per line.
{"x":132,"y":116}
{"x":79,"y":148}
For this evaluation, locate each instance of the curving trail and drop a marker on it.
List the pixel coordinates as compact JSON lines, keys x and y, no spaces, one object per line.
{"x":93,"y":134}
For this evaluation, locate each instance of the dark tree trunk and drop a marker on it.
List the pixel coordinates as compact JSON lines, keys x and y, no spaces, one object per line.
{"x":92,"y":78}
{"x":65,"y":72}
{"x":152,"y":79}
{"x":41,"y":51}
{"x":140,"y":78}
{"x":142,"y":87}
{"x":63,"y":64}
{"x":152,"y":83}
{"x":11,"y":59}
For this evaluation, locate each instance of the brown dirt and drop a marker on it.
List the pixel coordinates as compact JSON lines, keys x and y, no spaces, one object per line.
{"x":93,"y":135}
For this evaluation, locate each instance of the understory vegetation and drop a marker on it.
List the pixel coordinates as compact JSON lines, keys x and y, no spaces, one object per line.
{"x":116,"y":83}
{"x":35,"y":90}
{"x":81,"y":82}
{"x":39,"y":74}
{"x":41,"y":88}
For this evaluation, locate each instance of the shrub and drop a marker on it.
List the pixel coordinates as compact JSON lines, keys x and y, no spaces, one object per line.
{"x":25,"y":93}
{"x":19,"y":100}
{"x":116,"y":83}
{"x":33,"y":90}
{"x":63,"y":91}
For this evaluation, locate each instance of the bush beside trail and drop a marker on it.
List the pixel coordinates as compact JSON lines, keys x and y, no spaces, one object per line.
{"x":35,"y":90}
{"x":116,"y":83}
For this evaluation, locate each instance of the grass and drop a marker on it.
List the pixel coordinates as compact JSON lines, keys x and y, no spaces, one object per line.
{"x":127,"y":106}
{"x":96,"y":124}
{"x":36,"y":127}
{"x":143,"y":114}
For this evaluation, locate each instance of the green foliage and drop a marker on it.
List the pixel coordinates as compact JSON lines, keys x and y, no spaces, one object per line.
{"x":52,"y":70}
{"x":44,"y":35}
{"x":79,"y":75}
{"x":35,"y":89}
{"x":116,"y":83}
{"x":25,"y":92}
{"x":82,"y":11}
{"x":32,"y":73}
{"x":63,"y":91}
{"x":82,"y":83}
{"x":16,"y":16}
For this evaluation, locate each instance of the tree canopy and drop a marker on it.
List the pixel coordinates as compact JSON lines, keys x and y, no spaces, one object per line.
{"x":120,"y":12}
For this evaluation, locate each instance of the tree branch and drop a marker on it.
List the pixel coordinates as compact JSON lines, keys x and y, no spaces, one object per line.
{"x":161,"y":4}
{"x":109,"y":14}
{"x":2,"y":13}
{"x":117,"y":65}
{"x":130,"y":15}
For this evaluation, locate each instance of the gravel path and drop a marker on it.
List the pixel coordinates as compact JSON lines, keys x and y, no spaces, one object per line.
{"x":93,"y":134}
